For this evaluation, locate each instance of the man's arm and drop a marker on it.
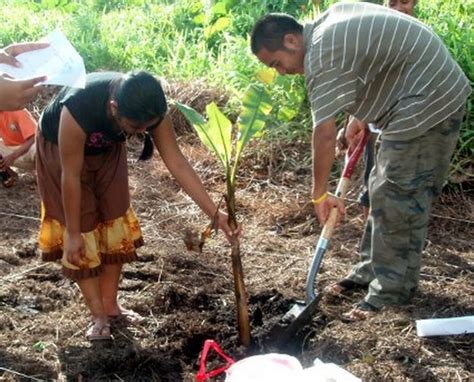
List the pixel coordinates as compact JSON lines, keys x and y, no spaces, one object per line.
{"x":324,"y":143}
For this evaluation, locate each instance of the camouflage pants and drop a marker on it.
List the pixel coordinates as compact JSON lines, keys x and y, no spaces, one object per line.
{"x":405,"y":179}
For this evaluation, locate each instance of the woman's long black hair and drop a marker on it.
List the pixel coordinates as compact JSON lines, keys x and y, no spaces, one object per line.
{"x":140,"y":97}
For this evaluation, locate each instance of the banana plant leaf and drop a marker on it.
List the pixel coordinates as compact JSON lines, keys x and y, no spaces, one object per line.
{"x":215,"y":134}
{"x":255,"y":110}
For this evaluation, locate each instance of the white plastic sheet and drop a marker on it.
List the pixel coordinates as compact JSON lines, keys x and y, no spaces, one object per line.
{"x":445,"y":326}
{"x":275,"y":367}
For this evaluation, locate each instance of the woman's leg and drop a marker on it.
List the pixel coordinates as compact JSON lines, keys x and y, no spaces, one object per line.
{"x":108,"y":283}
{"x":100,"y":328}
{"x":90,"y":289}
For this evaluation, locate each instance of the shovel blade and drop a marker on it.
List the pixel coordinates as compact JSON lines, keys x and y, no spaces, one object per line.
{"x":292,"y":322}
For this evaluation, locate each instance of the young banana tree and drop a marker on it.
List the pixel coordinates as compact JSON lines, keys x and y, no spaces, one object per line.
{"x":216,"y":134}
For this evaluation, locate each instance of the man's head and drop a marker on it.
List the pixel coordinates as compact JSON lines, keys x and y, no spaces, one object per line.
{"x":404,"y":6}
{"x":277,"y":41}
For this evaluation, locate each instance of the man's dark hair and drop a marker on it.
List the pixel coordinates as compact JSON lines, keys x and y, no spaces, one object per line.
{"x":270,"y":30}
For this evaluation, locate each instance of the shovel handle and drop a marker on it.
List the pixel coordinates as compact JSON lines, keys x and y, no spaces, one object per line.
{"x":328,"y":229}
{"x":351,"y":160}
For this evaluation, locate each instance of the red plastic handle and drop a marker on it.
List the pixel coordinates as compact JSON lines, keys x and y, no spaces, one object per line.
{"x":204,"y":375}
{"x":353,"y":156}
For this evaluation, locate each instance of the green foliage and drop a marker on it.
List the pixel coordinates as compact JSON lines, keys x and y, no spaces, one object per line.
{"x":452,"y":21}
{"x":216,"y":132}
{"x":208,"y":39}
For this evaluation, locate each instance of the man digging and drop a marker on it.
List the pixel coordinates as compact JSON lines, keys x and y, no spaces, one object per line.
{"x":386,"y":68}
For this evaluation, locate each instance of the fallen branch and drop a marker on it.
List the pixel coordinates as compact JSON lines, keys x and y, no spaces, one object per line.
{"x":20,"y":216}
{"x":15,"y":275}
{"x":20,"y":374}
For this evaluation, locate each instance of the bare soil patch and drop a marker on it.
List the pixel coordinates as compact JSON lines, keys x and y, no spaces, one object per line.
{"x":188,"y":297}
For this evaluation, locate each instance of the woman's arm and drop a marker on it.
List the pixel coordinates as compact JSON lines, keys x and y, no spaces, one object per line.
{"x":165,"y":141}
{"x":71,"y":152}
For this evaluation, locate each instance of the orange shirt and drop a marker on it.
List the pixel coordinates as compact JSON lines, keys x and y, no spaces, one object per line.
{"x":16,"y":126}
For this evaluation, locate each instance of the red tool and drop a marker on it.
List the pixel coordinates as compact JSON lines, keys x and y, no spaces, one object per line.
{"x":204,"y":375}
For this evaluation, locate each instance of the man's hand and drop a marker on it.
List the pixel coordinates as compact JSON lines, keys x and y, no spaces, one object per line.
{"x":323,"y":209}
{"x":354,"y":132}
{"x":15,"y":94}
{"x":8,"y":54}
{"x":341,"y":143}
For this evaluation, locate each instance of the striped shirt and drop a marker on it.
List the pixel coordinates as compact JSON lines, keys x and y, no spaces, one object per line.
{"x":383,"y":67}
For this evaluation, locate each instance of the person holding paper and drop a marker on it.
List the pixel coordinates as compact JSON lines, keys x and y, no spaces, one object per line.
{"x":87,"y":220}
{"x":15,"y":94}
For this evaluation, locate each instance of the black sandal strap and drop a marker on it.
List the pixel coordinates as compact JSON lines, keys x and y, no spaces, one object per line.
{"x":348,"y":284}
{"x":366,"y":307}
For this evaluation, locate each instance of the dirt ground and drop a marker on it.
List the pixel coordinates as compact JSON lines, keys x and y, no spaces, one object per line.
{"x":188,"y":297}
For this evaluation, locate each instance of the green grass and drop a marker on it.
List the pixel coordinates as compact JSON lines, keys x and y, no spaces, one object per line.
{"x":208,"y":39}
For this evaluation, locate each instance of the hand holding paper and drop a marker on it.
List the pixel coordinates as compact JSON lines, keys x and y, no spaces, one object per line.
{"x":15,"y":94}
{"x":59,"y":62}
{"x":8,"y":54}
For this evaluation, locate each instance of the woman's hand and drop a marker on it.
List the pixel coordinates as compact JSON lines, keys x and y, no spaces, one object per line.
{"x":223,"y":224}
{"x":75,"y":250}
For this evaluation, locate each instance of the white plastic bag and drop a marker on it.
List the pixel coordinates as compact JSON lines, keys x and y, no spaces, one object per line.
{"x":275,"y":367}
{"x":270,"y":367}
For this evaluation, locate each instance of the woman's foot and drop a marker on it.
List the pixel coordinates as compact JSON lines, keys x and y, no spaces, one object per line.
{"x":129,"y":316}
{"x":342,"y":287}
{"x":362,"y":311}
{"x":98,"y":330}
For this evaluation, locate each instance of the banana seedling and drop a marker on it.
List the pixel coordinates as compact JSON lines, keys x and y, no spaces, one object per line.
{"x":216,"y":133}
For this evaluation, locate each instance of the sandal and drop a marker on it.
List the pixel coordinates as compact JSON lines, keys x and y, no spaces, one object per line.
{"x":96,"y":332}
{"x":343,"y":287}
{"x":9,"y":178}
{"x":128,"y":316}
{"x":362,"y":311}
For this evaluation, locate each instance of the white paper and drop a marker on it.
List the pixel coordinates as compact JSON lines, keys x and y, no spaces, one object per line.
{"x":445,"y":326}
{"x":60,"y":62}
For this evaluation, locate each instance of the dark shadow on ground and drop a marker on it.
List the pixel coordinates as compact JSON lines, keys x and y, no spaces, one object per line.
{"x":119,"y":359}
{"x":17,"y":368}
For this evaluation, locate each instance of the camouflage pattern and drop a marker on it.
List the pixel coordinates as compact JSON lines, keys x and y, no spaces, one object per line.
{"x":407,"y":176}
{"x":369,"y":157}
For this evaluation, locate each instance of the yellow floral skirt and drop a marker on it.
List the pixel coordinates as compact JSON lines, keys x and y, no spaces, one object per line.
{"x":109,"y":227}
{"x":111,"y":242}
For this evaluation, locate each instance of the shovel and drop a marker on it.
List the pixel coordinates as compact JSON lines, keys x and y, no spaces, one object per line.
{"x":302,"y":311}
